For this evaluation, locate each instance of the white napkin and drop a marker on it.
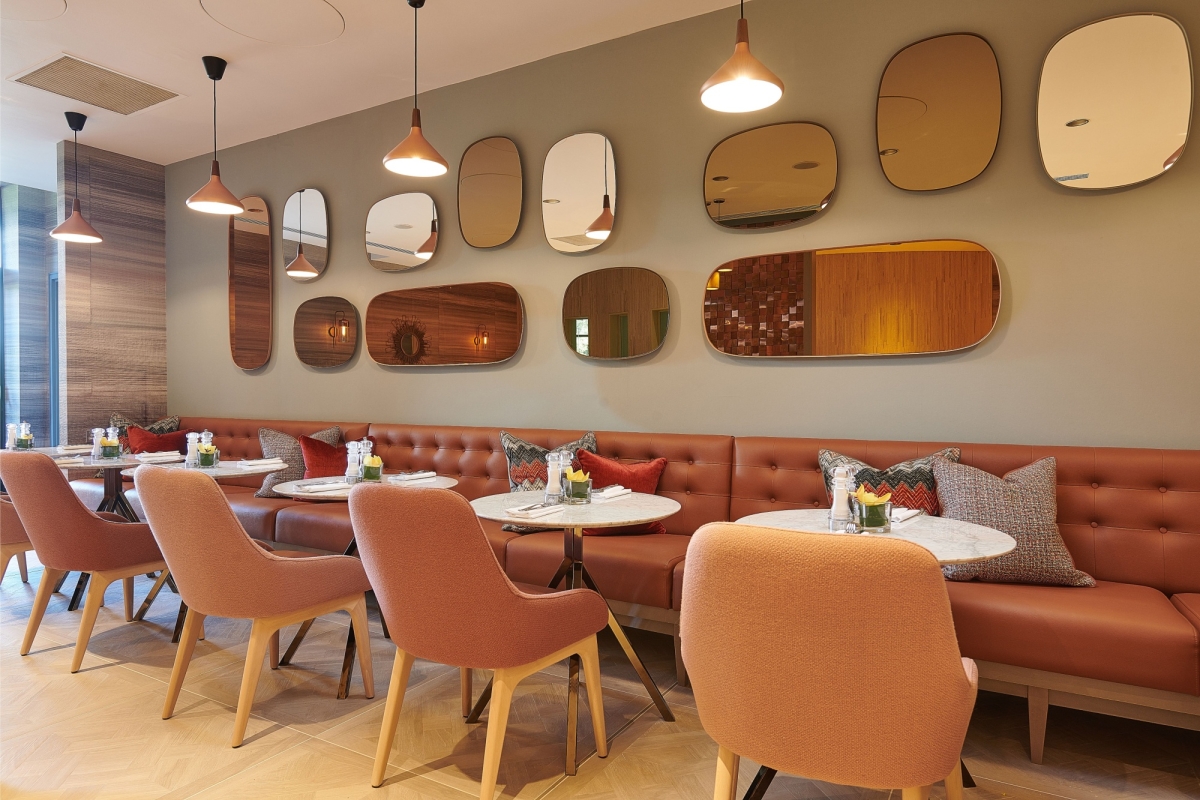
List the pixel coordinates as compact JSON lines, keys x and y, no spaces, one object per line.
{"x":411,"y":476}
{"x":314,"y":488}
{"x":260,"y":462}
{"x":902,"y":514}
{"x":610,"y":493}
{"x":394,"y":481}
{"x":167,"y":456}
{"x":532,"y":511}
{"x":74,"y":448}
{"x":69,"y":461}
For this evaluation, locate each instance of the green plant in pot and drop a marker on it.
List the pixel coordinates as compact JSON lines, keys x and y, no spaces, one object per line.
{"x":110,"y":448}
{"x":372,"y":468}
{"x":872,"y":512}
{"x":208,"y":455}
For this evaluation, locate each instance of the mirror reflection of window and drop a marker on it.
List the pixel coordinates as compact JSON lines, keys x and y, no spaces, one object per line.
{"x":1115,"y":102}
{"x":577,"y":335}
{"x":616,"y":313}
{"x":398,"y":227}
{"x":579,"y":174}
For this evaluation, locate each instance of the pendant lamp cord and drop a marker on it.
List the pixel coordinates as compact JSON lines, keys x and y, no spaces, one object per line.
{"x":300,"y":240}
{"x":414,"y":56}
{"x":741,"y":9}
{"x":214,"y":120}
{"x":606,"y":166}
{"x":76,"y":164}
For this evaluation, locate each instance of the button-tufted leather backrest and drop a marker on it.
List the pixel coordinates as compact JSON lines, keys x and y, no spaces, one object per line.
{"x":1127,"y":515}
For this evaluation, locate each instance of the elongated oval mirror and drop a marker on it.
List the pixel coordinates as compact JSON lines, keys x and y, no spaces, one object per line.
{"x":490,"y":192}
{"x":579,"y":193}
{"x":466,"y":323}
{"x":402,"y":231}
{"x":621,"y":312}
{"x":325,"y":331}
{"x":938,"y":115}
{"x":875,"y":300}
{"x":1115,"y":102}
{"x":770,"y":176}
{"x":250,"y":284}
{"x":305,"y":221}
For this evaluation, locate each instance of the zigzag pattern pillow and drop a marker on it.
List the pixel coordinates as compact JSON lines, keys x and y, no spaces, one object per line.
{"x":527,"y":461}
{"x":910,"y":483}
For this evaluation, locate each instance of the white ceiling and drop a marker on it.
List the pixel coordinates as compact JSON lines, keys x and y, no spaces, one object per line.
{"x":368,"y":64}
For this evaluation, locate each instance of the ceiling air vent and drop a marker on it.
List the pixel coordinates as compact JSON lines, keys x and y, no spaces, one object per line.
{"x":88,"y":83}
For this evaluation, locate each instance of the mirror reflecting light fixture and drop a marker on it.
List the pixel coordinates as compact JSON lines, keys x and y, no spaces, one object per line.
{"x":300,"y":266}
{"x":75,"y":228}
{"x":742,"y":83}
{"x":340,"y":328}
{"x":415,"y":156}
{"x":425,"y":251}
{"x":602,"y":226}
{"x":213,"y":197}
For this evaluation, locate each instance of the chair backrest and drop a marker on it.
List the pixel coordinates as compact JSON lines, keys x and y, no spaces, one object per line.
{"x":825,"y":655}
{"x":11,"y":529}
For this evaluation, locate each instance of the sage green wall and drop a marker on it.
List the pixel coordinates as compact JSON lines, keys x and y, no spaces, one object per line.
{"x":1097,"y":341}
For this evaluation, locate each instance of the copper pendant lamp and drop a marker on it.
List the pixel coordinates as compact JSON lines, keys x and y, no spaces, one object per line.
{"x":425,"y":251}
{"x":415,"y":156}
{"x":742,"y":83}
{"x":301,"y":267}
{"x":213,"y":197}
{"x":602,"y":226}
{"x":75,"y":228}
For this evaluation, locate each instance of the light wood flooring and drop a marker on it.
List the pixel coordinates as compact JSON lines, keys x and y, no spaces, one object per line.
{"x":97,"y":734}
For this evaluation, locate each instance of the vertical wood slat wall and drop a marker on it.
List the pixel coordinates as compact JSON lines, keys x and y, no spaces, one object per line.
{"x":113,"y":293}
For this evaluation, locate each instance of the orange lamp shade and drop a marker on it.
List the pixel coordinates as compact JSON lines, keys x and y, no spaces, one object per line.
{"x":213,"y":197}
{"x":75,"y":228}
{"x":742,"y":83}
{"x":415,"y":156}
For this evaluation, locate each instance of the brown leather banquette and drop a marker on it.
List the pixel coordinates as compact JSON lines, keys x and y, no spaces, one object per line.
{"x":1130,"y":517}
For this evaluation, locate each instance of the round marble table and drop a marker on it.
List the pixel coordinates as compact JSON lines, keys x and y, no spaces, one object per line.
{"x":296,"y":489}
{"x":951,"y":541}
{"x":224,"y":469}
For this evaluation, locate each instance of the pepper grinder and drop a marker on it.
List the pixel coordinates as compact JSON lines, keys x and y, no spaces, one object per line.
{"x":97,"y":435}
{"x":192,"y":459}
{"x":353,"y":462}
{"x":839,"y":512}
{"x":365,"y":447}
{"x":10,"y":441}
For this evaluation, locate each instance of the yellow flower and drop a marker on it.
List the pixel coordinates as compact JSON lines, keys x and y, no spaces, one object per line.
{"x":108,"y":442}
{"x":576,"y":476}
{"x":372,"y":461}
{"x":869,"y":498}
{"x":208,"y":448}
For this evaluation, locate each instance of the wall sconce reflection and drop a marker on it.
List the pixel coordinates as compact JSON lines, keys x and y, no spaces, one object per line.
{"x":481,"y":338}
{"x":340,"y":328}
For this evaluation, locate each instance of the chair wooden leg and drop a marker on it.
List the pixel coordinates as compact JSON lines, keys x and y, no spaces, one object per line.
{"x":362,"y":640}
{"x":466,"y":689}
{"x":727,"y":774}
{"x":260,"y":634}
{"x":1039,"y":708}
{"x":127,"y":591}
{"x":273,"y":651}
{"x":91,"y":608}
{"x":23,"y":566}
{"x":954,"y":783}
{"x":183,"y":657}
{"x":591,"y":676}
{"x":503,"y":683}
{"x":916,"y":793}
{"x":391,"y":714}
{"x":681,"y":676}
{"x":50,"y":579}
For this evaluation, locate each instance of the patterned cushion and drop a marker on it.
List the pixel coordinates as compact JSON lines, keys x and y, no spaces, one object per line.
{"x":1023,"y":505}
{"x":910,"y":483}
{"x":527,"y":465}
{"x":121,"y":423}
{"x":277,"y":444}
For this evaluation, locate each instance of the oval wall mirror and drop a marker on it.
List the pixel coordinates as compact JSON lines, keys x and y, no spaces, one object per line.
{"x":402,"y":231}
{"x":622,"y":312}
{"x":325,"y":331}
{"x":250,"y":284}
{"x":770,"y":176}
{"x":490,"y":192}
{"x":1115,"y":102}
{"x":466,"y":323}
{"x":938,"y":114}
{"x":579,"y":193}
{"x":875,"y":300}
{"x":305,"y":221}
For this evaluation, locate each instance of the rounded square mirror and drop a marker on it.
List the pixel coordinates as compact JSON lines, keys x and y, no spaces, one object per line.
{"x":402,"y":231}
{"x":875,"y":300}
{"x":579,"y":193}
{"x":250,"y":284}
{"x":325,"y":331}
{"x":305,"y":221}
{"x":621,"y":312}
{"x":1115,"y":102}
{"x":938,"y":114}
{"x":490,"y":192}
{"x":770,"y":176}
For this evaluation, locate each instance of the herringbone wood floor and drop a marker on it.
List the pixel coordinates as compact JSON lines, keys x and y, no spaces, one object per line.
{"x":97,"y":734}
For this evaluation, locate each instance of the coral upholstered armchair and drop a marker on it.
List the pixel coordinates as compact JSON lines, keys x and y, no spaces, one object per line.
{"x":13,"y":539}
{"x":859,"y":630}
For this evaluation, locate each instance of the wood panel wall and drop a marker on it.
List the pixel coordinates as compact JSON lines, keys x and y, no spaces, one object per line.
{"x":621,"y":290}
{"x":113,"y":303}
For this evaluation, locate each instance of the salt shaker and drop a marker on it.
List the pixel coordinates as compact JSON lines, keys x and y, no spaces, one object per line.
{"x":97,"y":435}
{"x":353,"y":461}
{"x":193,"y":450}
{"x":839,"y":512}
{"x":557,"y":464}
{"x":10,"y":440}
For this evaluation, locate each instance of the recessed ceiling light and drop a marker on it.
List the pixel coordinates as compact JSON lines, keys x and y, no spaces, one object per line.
{"x":403,"y":226}
{"x":551,"y":201}
{"x":720,"y":177}
{"x":1078,"y":123}
{"x":718,"y":200}
{"x":806,"y":165}
{"x":255,"y":210}
{"x":725,"y":269}
{"x":891,"y":151}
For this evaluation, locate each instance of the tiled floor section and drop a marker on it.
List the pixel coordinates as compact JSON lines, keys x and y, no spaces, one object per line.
{"x":97,"y":734}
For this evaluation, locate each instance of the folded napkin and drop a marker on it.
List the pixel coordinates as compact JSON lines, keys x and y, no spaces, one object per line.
{"x":532,"y":511}
{"x":150,"y":458}
{"x":69,"y":461}
{"x":901,"y":514}
{"x":251,"y":463}
{"x":610,"y":493}
{"x":316,"y":488}
{"x":410,"y":481}
{"x":74,"y":448}
{"x":400,"y":477}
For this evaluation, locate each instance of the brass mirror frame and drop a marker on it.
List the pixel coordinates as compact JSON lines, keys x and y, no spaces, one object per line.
{"x":283,"y":240}
{"x":352,"y":329}
{"x":520,"y":199}
{"x":785,"y":225}
{"x":999,"y":121}
{"x":437,"y":246}
{"x":270,"y":272}
{"x":1191,"y":104}
{"x":612,"y":152}
{"x":652,"y":351}
{"x":998,"y":303}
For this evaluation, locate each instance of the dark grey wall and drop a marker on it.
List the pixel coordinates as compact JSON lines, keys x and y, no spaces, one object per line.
{"x":1097,"y":337}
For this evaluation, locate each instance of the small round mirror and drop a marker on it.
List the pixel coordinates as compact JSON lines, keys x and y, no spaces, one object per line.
{"x":490,"y":192}
{"x":579,"y":193}
{"x":402,"y":232}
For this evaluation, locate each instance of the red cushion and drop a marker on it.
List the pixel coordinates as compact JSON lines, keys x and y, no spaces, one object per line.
{"x":143,"y":441}
{"x":641,"y":477}
{"x":322,"y":460}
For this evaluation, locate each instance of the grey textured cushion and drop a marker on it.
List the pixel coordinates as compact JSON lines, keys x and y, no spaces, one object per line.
{"x":277,"y":444}
{"x":1023,"y":505}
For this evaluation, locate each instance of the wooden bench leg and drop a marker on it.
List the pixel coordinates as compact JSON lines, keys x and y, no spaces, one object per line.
{"x":1039,"y":707}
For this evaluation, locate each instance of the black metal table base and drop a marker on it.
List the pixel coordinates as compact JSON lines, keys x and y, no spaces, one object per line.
{"x":114,"y":502}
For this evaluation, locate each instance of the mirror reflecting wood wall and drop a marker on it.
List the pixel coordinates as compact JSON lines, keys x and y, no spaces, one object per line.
{"x":490,"y":192}
{"x":306,"y":207}
{"x":1115,"y":102}
{"x":938,"y":114}
{"x":622,"y":312}
{"x":466,"y":323}
{"x":770,"y":176}
{"x":250,"y":284}
{"x":325,"y":331}
{"x":890,"y":299}
{"x":401,"y":231}
{"x":578,"y":181}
